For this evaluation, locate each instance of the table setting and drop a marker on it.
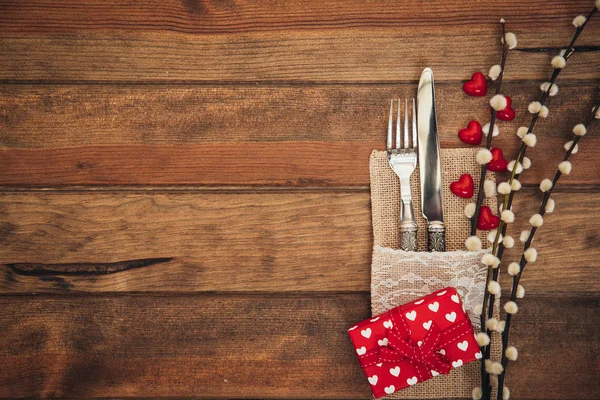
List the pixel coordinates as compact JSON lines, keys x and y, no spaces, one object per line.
{"x":313,"y":199}
{"x":399,"y":347}
{"x":419,"y":252}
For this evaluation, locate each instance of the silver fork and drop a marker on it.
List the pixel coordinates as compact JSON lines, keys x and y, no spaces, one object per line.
{"x":403,"y":161}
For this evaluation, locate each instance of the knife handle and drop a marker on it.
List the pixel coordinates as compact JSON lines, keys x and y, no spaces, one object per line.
{"x":436,"y":236}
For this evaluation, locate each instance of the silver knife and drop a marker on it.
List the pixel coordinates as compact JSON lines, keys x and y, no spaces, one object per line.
{"x":429,"y":163}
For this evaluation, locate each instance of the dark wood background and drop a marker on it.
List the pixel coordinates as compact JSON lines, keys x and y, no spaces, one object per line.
{"x":184,"y":205}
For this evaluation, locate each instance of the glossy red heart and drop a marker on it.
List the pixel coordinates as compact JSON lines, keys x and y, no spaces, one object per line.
{"x":487,"y":221}
{"x":463,"y":187}
{"x":477,"y":86}
{"x":498,"y":163}
{"x":472,"y":134}
{"x":508,"y":114}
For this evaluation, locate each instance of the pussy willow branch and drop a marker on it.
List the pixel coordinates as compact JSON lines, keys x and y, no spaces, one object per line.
{"x":488,"y":143}
{"x":498,"y":248}
{"x":485,"y":377}
{"x":480,"y":193}
{"x":523,"y":261}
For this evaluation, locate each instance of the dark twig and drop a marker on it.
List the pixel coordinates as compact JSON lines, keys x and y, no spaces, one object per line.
{"x":498,"y":248}
{"x":485,"y":377}
{"x":488,"y":143}
{"x":527,"y":245}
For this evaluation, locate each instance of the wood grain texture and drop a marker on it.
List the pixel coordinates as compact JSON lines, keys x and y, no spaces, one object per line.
{"x":206,"y":229}
{"x":264,"y":242}
{"x":249,"y":346}
{"x":205,"y":17}
{"x":54,"y":116}
{"x":267,"y":242}
{"x":565,"y":323}
{"x":248,"y":136}
{"x":313,"y":41}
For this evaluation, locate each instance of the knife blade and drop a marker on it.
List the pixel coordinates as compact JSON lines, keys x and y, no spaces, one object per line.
{"x":429,"y":163}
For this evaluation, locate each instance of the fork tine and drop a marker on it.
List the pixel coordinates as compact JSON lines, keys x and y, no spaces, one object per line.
{"x":398,"y":127}
{"x":414,"y":127}
{"x":390,"y":125}
{"x":405,"y":123}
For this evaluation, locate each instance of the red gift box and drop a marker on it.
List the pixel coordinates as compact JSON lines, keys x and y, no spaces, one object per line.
{"x":415,"y":342}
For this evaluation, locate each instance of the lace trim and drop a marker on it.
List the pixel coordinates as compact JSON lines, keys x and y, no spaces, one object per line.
{"x":398,"y":276}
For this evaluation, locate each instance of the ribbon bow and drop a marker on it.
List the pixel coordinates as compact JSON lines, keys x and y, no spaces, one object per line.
{"x":424,"y":355}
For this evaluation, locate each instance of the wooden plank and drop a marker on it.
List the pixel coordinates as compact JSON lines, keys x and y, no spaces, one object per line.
{"x":286,"y":346}
{"x":70,"y":16}
{"x":268,"y":242}
{"x":54,"y":116}
{"x":535,"y":374}
{"x":267,"y":135}
{"x":286,"y":57}
{"x":282,"y":41}
{"x":294,"y":241}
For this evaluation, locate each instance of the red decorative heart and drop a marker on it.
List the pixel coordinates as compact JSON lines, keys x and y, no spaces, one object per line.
{"x":487,"y":221}
{"x":498,"y":163}
{"x":463,"y":187}
{"x":477,"y":86}
{"x":471,"y":134}
{"x":508,"y":114}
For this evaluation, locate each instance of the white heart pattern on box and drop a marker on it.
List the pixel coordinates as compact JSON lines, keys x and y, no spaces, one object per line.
{"x":373,"y":379}
{"x":464,"y":345}
{"x":430,"y":308}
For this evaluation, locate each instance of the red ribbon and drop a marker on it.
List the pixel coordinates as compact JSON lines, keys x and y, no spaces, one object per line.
{"x":426,"y":357}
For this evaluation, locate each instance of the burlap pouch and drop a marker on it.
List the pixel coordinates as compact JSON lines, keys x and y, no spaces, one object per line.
{"x":398,"y":277}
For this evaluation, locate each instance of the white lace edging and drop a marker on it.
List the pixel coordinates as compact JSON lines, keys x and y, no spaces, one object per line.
{"x":399,"y":276}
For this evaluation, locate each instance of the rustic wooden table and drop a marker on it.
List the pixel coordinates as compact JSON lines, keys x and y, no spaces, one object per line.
{"x":184,"y":206}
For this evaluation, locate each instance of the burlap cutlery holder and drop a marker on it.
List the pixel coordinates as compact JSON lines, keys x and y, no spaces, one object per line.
{"x":398,"y":277}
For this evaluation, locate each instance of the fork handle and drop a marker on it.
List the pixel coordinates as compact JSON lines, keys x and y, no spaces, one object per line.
{"x":408,"y":226}
{"x":409,"y":238}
